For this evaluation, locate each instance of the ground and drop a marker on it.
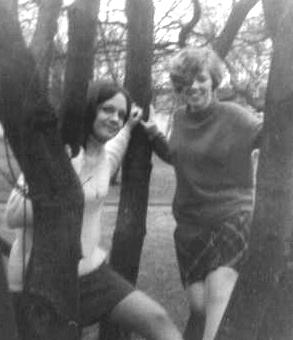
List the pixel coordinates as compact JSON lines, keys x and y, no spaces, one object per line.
{"x":158,"y":276}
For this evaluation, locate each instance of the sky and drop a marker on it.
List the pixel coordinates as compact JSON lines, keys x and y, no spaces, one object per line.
{"x":182,"y":10}
{"x":160,"y":5}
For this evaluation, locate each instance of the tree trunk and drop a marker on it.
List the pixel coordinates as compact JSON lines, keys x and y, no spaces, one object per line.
{"x":261,"y":305}
{"x":51,"y":284}
{"x":187,"y":28}
{"x":131,"y":220}
{"x":42,"y":41}
{"x":237,"y":16}
{"x":131,"y":223}
{"x":82,"y":18}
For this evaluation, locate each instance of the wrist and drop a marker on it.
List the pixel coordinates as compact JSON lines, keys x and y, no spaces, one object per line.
{"x":152,"y":132}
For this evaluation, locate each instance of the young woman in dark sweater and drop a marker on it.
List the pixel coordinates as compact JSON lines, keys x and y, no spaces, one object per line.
{"x":210,"y":147}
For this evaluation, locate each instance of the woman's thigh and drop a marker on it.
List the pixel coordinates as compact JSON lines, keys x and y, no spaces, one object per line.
{"x":138,"y":312}
{"x":101,"y":291}
{"x":195,"y":294}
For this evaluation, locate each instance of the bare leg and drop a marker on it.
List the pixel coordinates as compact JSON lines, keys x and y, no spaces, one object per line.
{"x":141,"y":314}
{"x":196,"y":322}
{"x":219,"y":286}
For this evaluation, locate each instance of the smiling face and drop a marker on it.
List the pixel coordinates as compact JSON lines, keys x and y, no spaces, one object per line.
{"x":110,"y":118}
{"x":199,"y":94}
{"x":195,"y":74}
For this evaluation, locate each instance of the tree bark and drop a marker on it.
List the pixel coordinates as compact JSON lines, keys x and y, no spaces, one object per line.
{"x":131,"y":223}
{"x":51,"y":284}
{"x":237,"y":16}
{"x":42,"y":41}
{"x":270,"y":8}
{"x":187,"y":28}
{"x":82,"y":18}
{"x":131,"y":220}
{"x":261,"y":305}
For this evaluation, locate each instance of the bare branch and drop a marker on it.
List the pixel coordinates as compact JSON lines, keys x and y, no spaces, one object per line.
{"x":234,"y":22}
{"x":79,"y":67}
{"x":186,"y":29}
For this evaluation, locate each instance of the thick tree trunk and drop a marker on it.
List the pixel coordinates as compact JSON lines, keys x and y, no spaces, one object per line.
{"x":131,"y":220}
{"x":82,"y":18}
{"x":51,"y":284}
{"x":261,"y":306}
{"x":42,"y":41}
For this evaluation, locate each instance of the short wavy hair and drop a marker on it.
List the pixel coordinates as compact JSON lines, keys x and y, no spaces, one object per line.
{"x":99,"y":92}
{"x":189,"y":61}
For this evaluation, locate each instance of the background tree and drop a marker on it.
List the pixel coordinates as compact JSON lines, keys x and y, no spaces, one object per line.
{"x":261,"y":306}
{"x":218,"y":22}
{"x":82,"y":22}
{"x":42,"y":41}
{"x":131,"y":223}
{"x":131,"y":226}
{"x":245,"y":44}
{"x":32,"y":128}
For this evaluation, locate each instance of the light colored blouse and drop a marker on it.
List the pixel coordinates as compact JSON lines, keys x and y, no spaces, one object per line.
{"x":95,"y":166}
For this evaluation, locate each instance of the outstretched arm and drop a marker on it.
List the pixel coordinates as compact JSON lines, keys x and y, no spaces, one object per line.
{"x":117,"y":146}
{"x":158,"y":141}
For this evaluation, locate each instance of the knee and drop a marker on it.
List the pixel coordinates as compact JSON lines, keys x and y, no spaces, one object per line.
{"x":158,"y":317}
{"x":196,"y":297}
{"x":220,"y":284}
{"x":160,"y":326}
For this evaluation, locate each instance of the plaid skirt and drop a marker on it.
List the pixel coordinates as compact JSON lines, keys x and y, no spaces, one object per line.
{"x":201,"y":249}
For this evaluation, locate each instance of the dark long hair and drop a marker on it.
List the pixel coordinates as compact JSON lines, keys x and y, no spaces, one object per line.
{"x":99,"y":92}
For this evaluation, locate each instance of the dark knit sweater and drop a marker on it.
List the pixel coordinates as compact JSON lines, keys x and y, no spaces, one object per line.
{"x":211,"y":154}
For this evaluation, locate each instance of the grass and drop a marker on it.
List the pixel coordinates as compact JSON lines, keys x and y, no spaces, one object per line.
{"x":158,"y":276}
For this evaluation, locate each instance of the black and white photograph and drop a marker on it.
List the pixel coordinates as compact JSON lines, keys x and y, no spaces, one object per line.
{"x":146,"y":170}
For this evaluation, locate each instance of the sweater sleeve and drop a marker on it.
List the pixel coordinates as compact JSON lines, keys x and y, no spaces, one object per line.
{"x":246,"y":124}
{"x":161,"y":147}
{"x":158,"y":142}
{"x":116,"y":148}
{"x":18,"y":209}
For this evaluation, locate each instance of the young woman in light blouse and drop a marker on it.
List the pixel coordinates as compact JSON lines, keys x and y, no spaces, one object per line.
{"x":110,"y":117}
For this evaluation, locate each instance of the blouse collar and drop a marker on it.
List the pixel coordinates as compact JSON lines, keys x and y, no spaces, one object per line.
{"x":93,"y":146}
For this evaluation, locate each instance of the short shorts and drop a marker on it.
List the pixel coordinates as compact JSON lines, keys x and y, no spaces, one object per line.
{"x":100,"y":291}
{"x":203,"y":248}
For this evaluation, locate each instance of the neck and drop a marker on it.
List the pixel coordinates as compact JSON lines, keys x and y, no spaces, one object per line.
{"x":93,"y":145}
{"x":200,"y":114}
